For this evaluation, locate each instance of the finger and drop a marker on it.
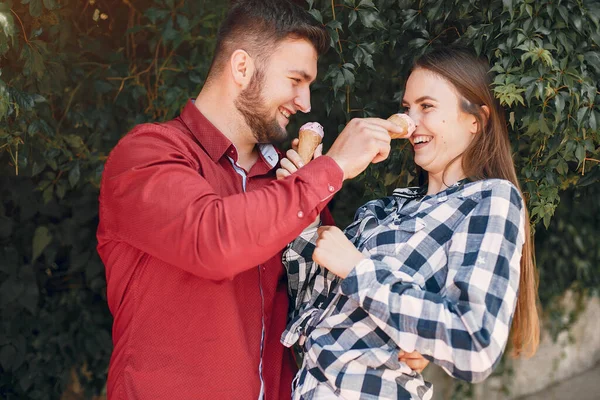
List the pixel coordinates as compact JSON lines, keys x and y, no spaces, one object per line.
{"x":294,"y":157}
{"x":415,"y":364}
{"x":287,"y":165}
{"x":383,"y":154}
{"x":318,"y":151}
{"x":387,"y":125}
{"x":282,"y":173}
{"x":414,"y":354}
{"x":323,"y":229}
{"x":295,"y":143}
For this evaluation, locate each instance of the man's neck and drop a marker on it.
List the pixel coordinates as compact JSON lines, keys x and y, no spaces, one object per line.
{"x":223,"y":114}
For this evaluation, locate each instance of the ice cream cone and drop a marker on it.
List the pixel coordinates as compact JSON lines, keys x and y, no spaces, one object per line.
{"x":407,"y":124}
{"x":311,"y":135}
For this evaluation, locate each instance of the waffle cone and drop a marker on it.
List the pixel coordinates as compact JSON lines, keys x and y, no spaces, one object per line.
{"x":309,"y":140}
{"x":396,"y":119}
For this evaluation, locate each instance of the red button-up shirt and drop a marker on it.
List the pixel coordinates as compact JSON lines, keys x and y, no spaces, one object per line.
{"x":193,"y":263}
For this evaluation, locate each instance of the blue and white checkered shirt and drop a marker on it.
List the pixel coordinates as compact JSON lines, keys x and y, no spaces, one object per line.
{"x":441,"y":277}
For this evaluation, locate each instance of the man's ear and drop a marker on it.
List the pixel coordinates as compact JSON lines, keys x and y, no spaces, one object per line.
{"x":242,"y":67}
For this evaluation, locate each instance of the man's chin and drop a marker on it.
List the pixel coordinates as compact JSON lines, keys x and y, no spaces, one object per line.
{"x":279,"y":138}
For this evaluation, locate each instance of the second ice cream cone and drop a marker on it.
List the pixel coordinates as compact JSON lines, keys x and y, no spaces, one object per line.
{"x":404,"y":121}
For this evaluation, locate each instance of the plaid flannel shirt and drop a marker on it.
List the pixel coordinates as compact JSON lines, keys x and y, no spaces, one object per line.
{"x":441,"y":277}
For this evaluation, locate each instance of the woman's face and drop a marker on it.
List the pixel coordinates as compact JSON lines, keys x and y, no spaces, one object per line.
{"x":443,"y":131}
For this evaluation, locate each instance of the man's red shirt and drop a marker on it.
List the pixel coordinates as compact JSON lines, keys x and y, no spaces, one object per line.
{"x":193,"y":264}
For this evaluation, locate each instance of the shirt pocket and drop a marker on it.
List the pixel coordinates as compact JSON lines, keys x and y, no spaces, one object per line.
{"x":388,"y":237}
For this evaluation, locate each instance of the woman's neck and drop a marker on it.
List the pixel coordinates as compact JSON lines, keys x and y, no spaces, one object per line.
{"x":442,"y":180}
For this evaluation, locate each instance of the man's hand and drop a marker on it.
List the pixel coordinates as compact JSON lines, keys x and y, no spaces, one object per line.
{"x":335,"y":252}
{"x":292,"y":162}
{"x":363,"y":141}
{"x":414,"y":360}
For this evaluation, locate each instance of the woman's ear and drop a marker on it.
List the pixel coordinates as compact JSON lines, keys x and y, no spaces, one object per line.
{"x":242,"y":67}
{"x":485,"y":116}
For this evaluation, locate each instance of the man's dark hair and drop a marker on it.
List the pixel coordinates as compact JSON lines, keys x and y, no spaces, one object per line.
{"x":257,"y":26}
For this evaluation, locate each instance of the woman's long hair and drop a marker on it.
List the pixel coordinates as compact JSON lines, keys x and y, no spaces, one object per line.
{"x":489,"y":156}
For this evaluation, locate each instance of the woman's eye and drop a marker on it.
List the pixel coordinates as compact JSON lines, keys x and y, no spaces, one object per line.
{"x":426,"y":106}
{"x":296,"y":80}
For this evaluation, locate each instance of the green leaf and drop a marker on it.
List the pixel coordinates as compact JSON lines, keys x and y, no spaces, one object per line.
{"x":334,"y":24}
{"x":36,"y":8}
{"x":559,"y":103}
{"x":339,"y":81}
{"x":50,"y":4}
{"x":183,"y":22}
{"x":316,"y":15}
{"x":37,"y":168}
{"x":508,"y":6}
{"x":592,"y":121}
{"x":580,"y":152}
{"x":563,"y":13}
{"x":4,"y":100}
{"x":74,"y":175}
{"x":352,"y":18}
{"x":34,"y":55}
{"x":366,"y":3}
{"x":348,"y":76}
{"x":169,"y":33}
{"x":48,"y":192}
{"x":7,"y":23}
{"x":41,"y":239}
{"x":368,"y":18}
{"x":418,"y":43}
{"x":580,"y":114}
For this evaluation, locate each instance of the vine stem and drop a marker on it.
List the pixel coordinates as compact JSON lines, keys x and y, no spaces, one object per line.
{"x":22,"y":27}
{"x":587,"y":159}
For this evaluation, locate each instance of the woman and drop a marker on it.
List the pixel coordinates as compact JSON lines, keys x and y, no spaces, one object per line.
{"x":442,"y":269}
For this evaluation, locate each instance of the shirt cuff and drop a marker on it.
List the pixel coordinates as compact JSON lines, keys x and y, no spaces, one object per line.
{"x":325,"y":175}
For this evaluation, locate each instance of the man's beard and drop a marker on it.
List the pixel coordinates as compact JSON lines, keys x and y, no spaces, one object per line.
{"x":250,"y":104}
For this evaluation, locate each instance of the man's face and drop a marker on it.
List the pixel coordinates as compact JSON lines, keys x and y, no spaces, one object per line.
{"x":278,"y":90}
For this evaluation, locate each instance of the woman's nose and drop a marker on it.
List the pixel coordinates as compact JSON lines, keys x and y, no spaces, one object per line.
{"x":414,"y":115}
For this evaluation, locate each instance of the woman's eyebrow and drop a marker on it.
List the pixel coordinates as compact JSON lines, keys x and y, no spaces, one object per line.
{"x":419,"y":100}
{"x":423,"y":98}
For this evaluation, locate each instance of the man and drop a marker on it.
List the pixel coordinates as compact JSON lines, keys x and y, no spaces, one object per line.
{"x":192,"y":220}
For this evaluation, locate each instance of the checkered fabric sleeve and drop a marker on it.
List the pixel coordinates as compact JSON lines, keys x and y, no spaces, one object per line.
{"x":464,"y":328}
{"x":309,"y":285}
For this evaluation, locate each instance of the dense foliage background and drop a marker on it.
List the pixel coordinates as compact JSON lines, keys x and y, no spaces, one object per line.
{"x":75,"y":75}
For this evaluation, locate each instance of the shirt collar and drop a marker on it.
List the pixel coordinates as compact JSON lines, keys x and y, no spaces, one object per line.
{"x":215,"y":143}
{"x":421,"y":191}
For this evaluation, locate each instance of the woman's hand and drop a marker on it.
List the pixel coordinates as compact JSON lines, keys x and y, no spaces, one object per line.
{"x":335,"y":252}
{"x":293,"y":161}
{"x":414,"y":360}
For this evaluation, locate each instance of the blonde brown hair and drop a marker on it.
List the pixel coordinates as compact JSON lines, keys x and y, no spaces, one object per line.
{"x":489,"y":156}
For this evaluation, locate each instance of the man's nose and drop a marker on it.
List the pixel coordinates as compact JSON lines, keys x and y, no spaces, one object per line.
{"x":302,"y":101}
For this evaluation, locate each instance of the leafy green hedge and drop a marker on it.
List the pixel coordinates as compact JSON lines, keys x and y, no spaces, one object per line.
{"x":76,"y":75}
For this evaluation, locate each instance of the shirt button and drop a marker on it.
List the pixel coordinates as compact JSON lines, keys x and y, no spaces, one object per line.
{"x":331,"y":188}
{"x":300,"y":214}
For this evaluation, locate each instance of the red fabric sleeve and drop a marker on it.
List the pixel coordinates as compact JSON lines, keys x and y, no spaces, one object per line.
{"x":154,"y":199}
